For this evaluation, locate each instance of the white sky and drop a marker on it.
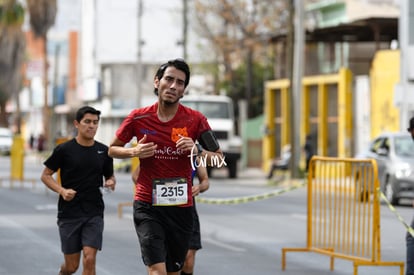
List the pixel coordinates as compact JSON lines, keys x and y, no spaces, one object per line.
{"x":161,"y":29}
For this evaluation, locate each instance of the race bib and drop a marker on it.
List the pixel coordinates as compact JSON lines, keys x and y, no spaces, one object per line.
{"x":167,"y":192}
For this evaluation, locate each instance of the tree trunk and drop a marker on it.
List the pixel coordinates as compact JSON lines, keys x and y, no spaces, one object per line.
{"x":249,"y":80}
{"x":18,"y":118}
{"x":3,"y":115}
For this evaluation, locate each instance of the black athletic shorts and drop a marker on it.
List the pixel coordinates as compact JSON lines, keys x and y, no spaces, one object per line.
{"x":164,"y":233}
{"x":195,"y":241}
{"x":75,"y":233}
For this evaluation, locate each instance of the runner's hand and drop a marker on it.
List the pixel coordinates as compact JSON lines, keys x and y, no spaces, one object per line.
{"x":185,"y":143}
{"x":68,"y":194}
{"x":195,"y":189}
{"x":144,"y":150}
{"x":110,"y":183}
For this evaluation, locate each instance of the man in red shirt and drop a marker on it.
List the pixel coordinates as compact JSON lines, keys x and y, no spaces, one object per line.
{"x":195,"y":242}
{"x":167,"y":131}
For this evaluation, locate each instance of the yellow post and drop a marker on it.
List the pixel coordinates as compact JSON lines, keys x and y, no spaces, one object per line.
{"x":285,"y":116}
{"x":269,"y":138}
{"x":17,"y":158}
{"x":134,"y":164}
{"x":305,"y":128}
{"x":134,"y":161}
{"x":344,"y":113}
{"x":305,"y":114}
{"x":322,"y":119}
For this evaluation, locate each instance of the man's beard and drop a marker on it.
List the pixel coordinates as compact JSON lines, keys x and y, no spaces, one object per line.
{"x":169,"y":103}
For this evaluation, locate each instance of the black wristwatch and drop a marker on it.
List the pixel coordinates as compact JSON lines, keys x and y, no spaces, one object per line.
{"x":199,"y":149}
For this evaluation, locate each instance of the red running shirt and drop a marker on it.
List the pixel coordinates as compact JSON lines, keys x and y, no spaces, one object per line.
{"x":168,"y":161}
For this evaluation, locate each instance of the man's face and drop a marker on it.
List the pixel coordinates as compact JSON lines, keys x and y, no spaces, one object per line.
{"x":171,"y":86}
{"x":88,"y":126}
{"x":411,"y":131}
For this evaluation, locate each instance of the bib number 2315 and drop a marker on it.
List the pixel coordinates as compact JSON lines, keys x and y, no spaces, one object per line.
{"x":166,"y":192}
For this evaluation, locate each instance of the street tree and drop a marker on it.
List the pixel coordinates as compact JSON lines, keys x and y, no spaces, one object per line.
{"x":239,"y":32}
{"x":42,"y":18}
{"x":12,"y":49}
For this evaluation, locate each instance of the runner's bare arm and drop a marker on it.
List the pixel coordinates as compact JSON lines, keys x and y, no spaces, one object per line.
{"x":52,"y":184}
{"x":142,"y":150}
{"x":204,"y":183}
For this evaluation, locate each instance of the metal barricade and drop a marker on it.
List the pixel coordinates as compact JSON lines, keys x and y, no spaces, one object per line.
{"x":343,"y":215}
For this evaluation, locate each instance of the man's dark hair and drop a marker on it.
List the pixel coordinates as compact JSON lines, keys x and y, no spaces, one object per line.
{"x":178,"y":63}
{"x":86,"y":110}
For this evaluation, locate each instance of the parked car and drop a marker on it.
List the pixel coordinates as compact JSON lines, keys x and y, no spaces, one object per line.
{"x":6,"y":141}
{"x":394,"y":155}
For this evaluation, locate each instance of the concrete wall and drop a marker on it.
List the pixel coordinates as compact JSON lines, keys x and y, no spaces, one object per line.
{"x":384,"y":75}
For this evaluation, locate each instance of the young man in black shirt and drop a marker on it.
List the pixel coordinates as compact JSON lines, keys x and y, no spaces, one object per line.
{"x":85,"y":168}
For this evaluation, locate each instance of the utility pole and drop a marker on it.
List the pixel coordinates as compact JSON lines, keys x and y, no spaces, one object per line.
{"x":139,"y":53}
{"x":185,"y":28}
{"x":404,"y":96}
{"x":53,"y":116}
{"x":296,"y":83}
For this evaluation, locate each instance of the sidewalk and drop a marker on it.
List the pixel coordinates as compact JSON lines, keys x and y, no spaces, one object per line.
{"x":252,"y":172}
{"x":258,"y":177}
{"x":243,"y":173}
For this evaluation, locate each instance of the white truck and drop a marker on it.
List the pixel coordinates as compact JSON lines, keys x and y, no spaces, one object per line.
{"x":219,"y":111}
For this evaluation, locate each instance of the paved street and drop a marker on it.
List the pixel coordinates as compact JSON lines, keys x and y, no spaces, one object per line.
{"x":240,"y":238}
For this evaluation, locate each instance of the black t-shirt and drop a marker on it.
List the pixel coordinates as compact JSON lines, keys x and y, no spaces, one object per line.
{"x":82,"y":169}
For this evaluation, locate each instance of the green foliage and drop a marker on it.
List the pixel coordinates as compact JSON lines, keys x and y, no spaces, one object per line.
{"x":12,"y":47}
{"x":237,"y":91}
{"x":12,"y":15}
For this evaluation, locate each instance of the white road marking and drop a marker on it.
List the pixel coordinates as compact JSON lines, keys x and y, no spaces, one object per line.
{"x":223,"y":245}
{"x":46,"y":207}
